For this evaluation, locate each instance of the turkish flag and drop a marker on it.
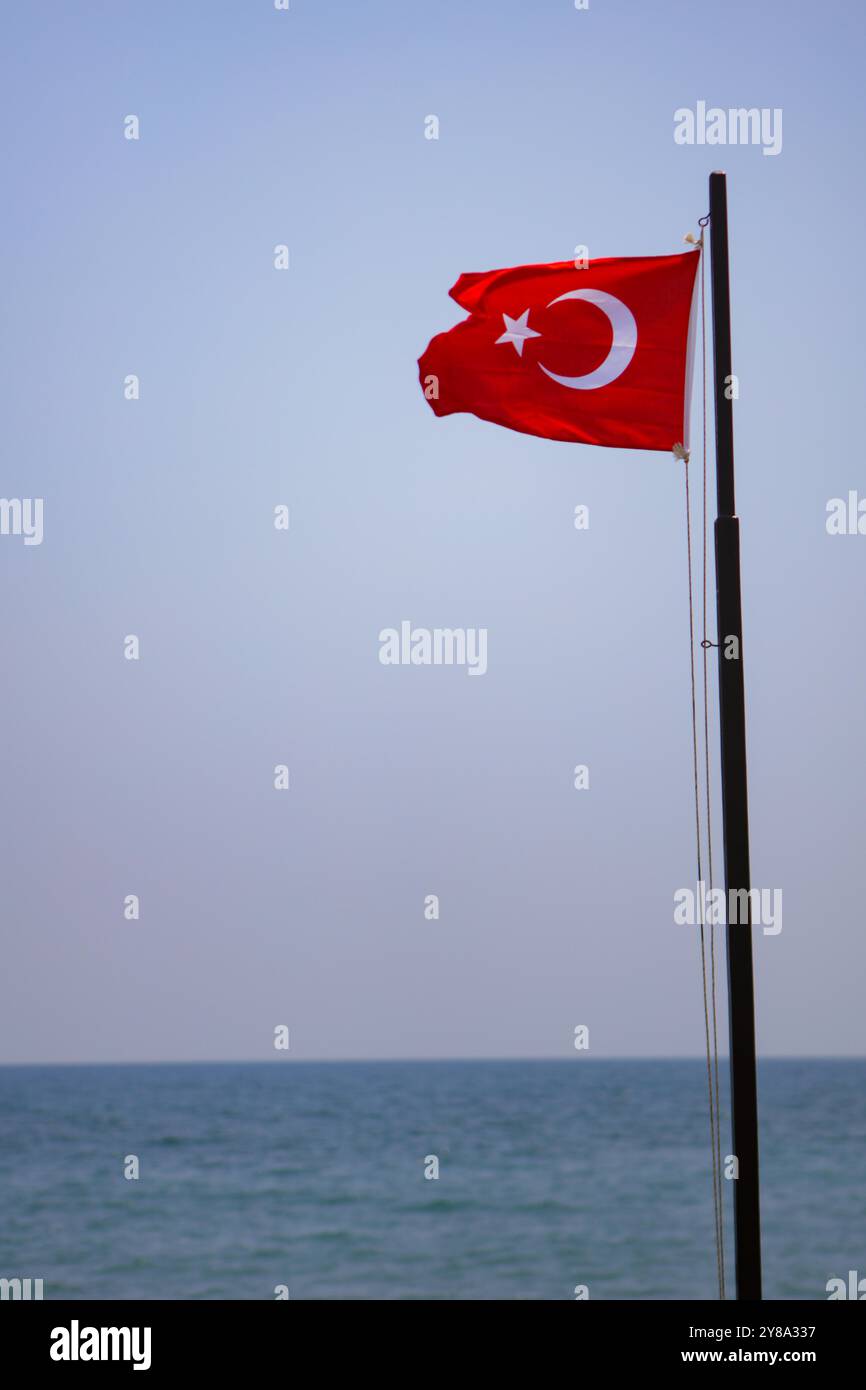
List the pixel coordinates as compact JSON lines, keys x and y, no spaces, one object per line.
{"x":599,"y":355}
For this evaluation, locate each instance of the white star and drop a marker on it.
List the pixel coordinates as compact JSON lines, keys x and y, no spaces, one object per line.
{"x":517,"y":331}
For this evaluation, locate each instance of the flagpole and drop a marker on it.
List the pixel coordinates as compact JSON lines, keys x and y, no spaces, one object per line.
{"x":735,"y":814}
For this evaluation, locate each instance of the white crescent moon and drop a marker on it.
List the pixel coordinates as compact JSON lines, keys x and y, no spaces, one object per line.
{"x":622,"y":348}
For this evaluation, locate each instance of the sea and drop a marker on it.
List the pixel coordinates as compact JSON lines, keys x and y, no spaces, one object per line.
{"x":485,"y":1180}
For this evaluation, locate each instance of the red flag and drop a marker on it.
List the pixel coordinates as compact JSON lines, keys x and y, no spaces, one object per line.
{"x":592,"y":356}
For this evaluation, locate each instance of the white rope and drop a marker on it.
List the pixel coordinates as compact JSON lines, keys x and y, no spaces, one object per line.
{"x":705,"y":647}
{"x":709,"y":995}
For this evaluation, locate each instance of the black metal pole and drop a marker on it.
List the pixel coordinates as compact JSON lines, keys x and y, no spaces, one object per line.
{"x":735,"y":810}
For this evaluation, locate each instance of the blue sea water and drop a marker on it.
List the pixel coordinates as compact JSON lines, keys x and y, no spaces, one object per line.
{"x":311,"y":1175}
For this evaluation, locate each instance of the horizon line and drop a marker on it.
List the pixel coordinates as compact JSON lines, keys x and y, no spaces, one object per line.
{"x":422,"y":1061}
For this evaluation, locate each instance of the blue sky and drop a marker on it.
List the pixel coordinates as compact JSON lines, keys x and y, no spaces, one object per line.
{"x":258,"y":387}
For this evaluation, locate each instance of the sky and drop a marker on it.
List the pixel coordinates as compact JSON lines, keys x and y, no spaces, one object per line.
{"x":258,"y":647}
